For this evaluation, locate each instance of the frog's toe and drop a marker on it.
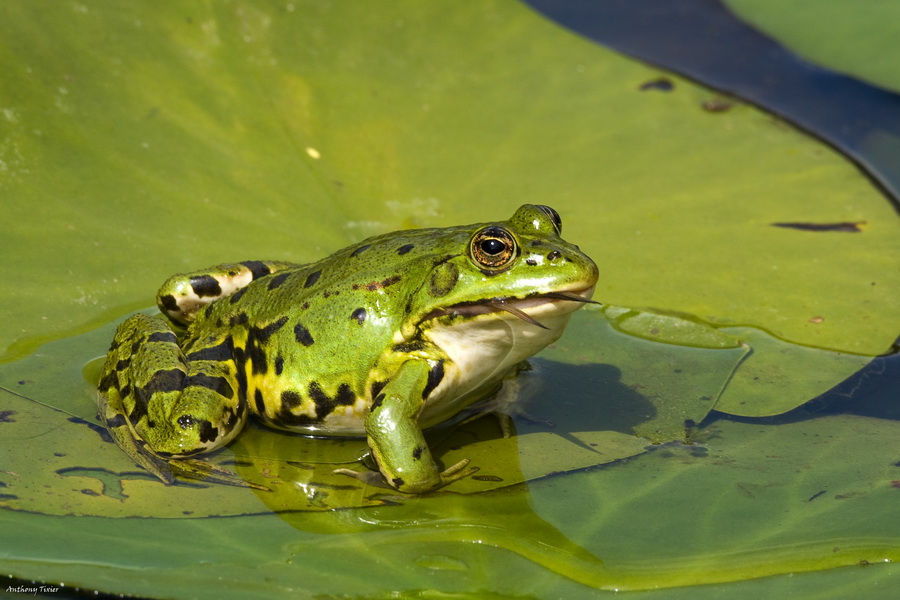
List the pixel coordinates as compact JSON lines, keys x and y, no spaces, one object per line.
{"x":193,"y":468}
{"x":457,"y":472}
{"x":368,"y":477}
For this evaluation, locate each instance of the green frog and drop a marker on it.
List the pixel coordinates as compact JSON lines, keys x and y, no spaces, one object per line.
{"x":382,"y":339}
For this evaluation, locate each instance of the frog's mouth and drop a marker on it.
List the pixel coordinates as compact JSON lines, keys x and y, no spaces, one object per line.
{"x":514,"y":306}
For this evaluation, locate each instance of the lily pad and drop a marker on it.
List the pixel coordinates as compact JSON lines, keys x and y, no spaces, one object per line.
{"x":145,"y":139}
{"x":855,"y":40}
{"x":255,"y":130}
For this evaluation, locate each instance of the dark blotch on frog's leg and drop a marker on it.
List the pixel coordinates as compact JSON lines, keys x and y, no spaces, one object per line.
{"x":359,"y":314}
{"x":435,"y":375}
{"x":303,"y":335}
{"x":277,"y":280}
{"x":237,"y":295}
{"x":260,"y":403}
{"x":312,"y":279}
{"x":108,"y":382}
{"x":208,"y":310}
{"x":360,"y":250}
{"x":171,"y":380}
{"x":208,"y":433}
{"x":123,"y":364}
{"x":219,"y":385}
{"x":279,"y":364}
{"x":218,"y":353}
{"x":169,"y":304}
{"x":398,"y":482}
{"x":239,"y":319}
{"x":205,"y":286}
{"x":404,"y":249}
{"x":163,"y":336}
{"x":116,"y":421}
{"x":257,"y":268}
{"x":417,"y":453}
{"x":377,"y":402}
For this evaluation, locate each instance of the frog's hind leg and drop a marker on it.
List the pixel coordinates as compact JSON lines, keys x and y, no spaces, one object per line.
{"x":161,"y":408}
{"x":182,"y":296}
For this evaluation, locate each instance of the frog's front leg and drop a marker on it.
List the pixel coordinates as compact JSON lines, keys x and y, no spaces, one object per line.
{"x":161,"y":407}
{"x":396,"y":440}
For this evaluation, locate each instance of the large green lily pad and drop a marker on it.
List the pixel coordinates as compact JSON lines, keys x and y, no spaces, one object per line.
{"x":858,"y":40}
{"x":144,"y":139}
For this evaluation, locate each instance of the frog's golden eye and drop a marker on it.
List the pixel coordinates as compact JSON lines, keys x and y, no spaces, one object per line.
{"x":493,"y":249}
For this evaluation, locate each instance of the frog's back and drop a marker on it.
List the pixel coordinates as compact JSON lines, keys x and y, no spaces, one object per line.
{"x":307,"y":340}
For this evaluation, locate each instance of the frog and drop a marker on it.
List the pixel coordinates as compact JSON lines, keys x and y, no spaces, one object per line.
{"x":383,"y":339}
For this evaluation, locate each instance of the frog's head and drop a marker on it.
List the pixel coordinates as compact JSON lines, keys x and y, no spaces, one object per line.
{"x":519,"y":270}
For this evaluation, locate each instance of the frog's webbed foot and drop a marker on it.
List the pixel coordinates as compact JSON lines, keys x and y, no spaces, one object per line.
{"x":453,"y":473}
{"x":203,"y":470}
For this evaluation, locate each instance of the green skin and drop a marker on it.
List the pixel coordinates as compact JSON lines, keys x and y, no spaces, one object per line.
{"x":383,"y":338}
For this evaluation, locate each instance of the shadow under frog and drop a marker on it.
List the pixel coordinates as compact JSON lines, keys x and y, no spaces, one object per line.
{"x":551,"y":397}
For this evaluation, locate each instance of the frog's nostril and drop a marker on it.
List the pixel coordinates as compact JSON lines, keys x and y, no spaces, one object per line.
{"x":554,"y":255}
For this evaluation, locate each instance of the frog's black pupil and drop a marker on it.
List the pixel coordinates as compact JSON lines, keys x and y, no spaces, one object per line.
{"x":493,"y":246}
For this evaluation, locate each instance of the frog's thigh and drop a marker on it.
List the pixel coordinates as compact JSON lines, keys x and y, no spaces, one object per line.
{"x":395,"y":436}
{"x":184,"y":294}
{"x":155,"y":401}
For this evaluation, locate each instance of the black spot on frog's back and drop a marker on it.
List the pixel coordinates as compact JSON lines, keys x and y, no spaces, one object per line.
{"x":360,"y":250}
{"x":263,"y":334}
{"x":303,"y":335}
{"x":277,"y":280}
{"x":312,"y":278}
{"x":235,"y":297}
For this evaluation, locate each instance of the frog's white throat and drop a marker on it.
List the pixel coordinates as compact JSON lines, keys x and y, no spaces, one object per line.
{"x":493,"y":339}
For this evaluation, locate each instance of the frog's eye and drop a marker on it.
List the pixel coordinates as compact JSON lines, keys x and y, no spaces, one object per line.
{"x":553,"y":216}
{"x":493,"y":248}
